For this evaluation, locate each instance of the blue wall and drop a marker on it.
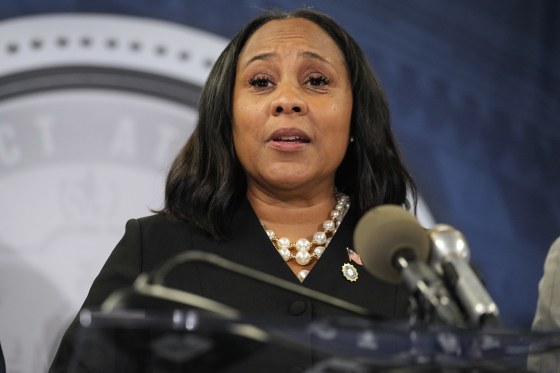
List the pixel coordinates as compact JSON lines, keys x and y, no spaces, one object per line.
{"x":474,"y":88}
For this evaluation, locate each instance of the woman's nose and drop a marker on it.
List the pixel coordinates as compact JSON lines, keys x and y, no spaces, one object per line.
{"x":288,"y":101}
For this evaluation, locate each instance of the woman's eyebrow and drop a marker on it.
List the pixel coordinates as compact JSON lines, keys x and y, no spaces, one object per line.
{"x":261,"y":57}
{"x":270,"y":55}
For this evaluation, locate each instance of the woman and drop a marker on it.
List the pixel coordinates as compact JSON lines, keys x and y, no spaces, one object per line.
{"x":547,"y":314}
{"x":293,"y":144}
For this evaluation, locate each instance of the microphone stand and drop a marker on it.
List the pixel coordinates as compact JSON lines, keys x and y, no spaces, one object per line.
{"x":433,"y":301}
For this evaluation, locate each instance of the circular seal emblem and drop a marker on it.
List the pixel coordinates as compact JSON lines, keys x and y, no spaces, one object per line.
{"x":89,"y":122}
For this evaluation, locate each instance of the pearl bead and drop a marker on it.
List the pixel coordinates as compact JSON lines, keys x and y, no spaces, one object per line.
{"x":303,"y":244}
{"x":335,"y":214}
{"x":302,"y":274}
{"x":303,"y":257}
{"x":285,"y":253}
{"x":284,"y":243}
{"x":270,"y":234}
{"x":328,"y":225}
{"x":318,"y":251}
{"x":320,"y":237}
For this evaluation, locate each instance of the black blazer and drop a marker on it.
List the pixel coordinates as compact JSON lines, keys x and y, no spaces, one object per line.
{"x":2,"y":361}
{"x":150,"y":241}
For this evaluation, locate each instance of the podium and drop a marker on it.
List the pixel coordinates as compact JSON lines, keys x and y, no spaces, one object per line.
{"x":151,"y":328}
{"x":195,"y":340}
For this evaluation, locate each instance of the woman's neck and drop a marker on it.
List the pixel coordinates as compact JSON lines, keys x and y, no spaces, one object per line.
{"x":292,"y":214}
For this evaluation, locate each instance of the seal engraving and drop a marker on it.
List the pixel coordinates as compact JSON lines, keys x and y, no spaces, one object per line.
{"x":87,"y":132}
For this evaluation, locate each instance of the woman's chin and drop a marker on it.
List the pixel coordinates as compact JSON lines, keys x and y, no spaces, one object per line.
{"x":293,"y":181}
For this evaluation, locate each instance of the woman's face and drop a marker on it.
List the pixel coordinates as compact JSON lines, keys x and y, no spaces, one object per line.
{"x":292,"y":104}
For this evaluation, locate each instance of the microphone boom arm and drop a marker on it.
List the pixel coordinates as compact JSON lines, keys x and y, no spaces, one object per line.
{"x":158,"y":278}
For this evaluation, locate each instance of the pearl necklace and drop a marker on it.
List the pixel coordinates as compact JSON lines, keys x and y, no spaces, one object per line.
{"x":307,"y":251}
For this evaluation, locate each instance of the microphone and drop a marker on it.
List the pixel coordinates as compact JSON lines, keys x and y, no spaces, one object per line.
{"x":394,"y":247}
{"x":450,"y":257}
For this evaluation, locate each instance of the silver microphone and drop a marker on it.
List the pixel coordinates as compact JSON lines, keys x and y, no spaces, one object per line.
{"x":450,"y":256}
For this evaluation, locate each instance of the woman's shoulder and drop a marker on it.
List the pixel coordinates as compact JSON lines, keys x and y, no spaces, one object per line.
{"x":162,"y":227}
{"x":159,"y":218}
{"x":161,"y":221}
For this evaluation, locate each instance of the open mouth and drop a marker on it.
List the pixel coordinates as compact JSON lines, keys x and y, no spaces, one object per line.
{"x":296,"y":139}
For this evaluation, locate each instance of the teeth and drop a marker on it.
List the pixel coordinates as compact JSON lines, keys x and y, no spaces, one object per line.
{"x":289,"y":138}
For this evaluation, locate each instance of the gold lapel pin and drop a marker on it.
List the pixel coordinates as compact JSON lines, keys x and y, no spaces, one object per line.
{"x":348,"y":270}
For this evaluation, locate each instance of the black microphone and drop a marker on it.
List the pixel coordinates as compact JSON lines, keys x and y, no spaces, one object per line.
{"x":394,"y":247}
{"x":450,"y":255}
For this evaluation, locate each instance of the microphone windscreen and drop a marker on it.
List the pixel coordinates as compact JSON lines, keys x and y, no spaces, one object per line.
{"x":381,"y":233}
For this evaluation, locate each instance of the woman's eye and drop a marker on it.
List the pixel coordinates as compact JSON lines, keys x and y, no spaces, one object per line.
{"x":317,"y":80}
{"x":260,"y":82}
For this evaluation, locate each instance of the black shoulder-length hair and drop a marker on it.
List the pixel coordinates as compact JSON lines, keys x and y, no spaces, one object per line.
{"x":206,"y":181}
